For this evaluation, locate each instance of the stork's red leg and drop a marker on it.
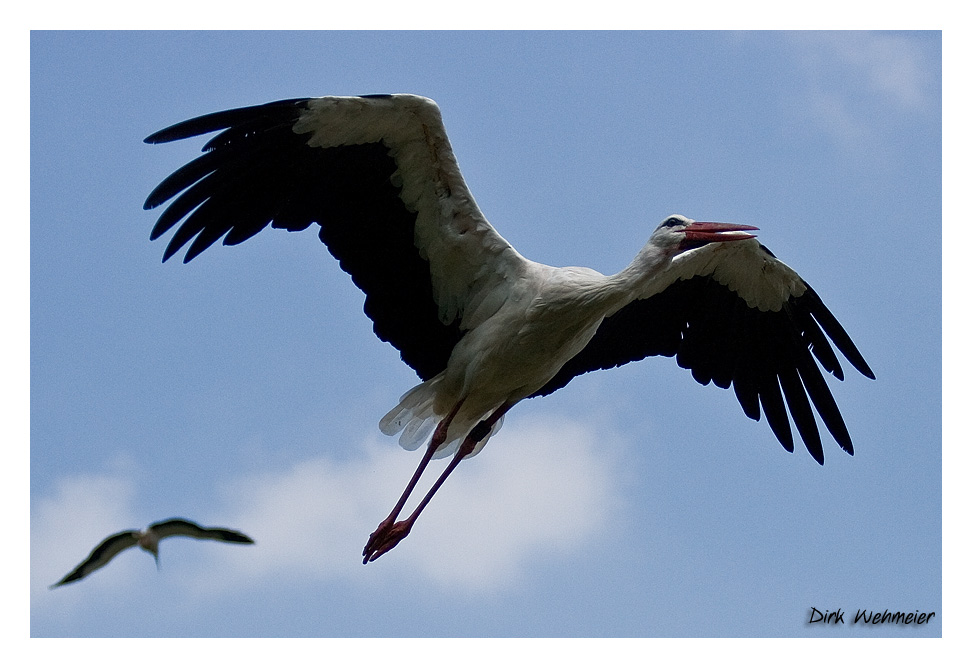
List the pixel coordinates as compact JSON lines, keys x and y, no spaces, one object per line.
{"x":438,"y":438}
{"x":390,"y":533}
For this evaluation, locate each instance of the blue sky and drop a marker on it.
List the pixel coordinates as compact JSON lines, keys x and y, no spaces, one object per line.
{"x":244,"y":389}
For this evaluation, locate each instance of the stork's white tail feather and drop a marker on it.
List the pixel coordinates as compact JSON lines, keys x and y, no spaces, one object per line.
{"x":415,"y":418}
{"x":416,"y":432}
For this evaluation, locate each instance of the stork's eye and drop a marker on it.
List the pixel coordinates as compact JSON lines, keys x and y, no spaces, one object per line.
{"x":672,"y":222}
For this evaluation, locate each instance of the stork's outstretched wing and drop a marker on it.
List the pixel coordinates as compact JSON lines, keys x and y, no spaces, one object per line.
{"x":378,"y":175}
{"x":181,"y":527}
{"x":735,"y":315}
{"x":101,"y":555}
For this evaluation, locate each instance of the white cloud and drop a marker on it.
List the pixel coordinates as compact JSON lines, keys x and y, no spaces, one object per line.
{"x":851,"y":73}
{"x":891,"y":65}
{"x":543,"y":486}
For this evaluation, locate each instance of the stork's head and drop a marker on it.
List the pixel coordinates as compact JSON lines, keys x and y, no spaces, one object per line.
{"x":678,"y":233}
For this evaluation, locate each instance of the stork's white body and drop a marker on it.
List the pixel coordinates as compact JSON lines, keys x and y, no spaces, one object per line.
{"x":548,"y":316}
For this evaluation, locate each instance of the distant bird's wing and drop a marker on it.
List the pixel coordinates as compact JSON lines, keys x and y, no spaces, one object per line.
{"x":181,"y":527}
{"x":378,"y":174}
{"x":101,"y":555}
{"x":735,"y":315}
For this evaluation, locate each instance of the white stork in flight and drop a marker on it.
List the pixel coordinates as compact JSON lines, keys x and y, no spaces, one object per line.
{"x":481,"y":325}
{"x":148,"y":539}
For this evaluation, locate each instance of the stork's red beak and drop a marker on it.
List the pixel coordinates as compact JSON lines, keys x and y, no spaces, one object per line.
{"x":718,"y":232}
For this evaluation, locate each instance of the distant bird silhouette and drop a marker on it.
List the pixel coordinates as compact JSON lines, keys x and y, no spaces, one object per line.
{"x":148,"y":539}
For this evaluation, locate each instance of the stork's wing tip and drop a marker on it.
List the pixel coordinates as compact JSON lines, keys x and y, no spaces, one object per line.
{"x":157,"y":137}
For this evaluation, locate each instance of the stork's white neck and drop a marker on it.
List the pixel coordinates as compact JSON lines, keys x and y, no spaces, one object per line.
{"x":633,"y":281}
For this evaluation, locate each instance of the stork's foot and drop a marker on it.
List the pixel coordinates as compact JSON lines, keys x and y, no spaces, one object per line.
{"x":384,"y":538}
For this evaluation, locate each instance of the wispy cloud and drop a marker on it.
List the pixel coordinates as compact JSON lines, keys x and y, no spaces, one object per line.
{"x":854,"y":76}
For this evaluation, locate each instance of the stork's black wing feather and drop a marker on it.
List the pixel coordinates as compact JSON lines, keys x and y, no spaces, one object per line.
{"x":257,"y":172}
{"x":103,"y":553}
{"x":178,"y":526}
{"x":764,"y":355}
